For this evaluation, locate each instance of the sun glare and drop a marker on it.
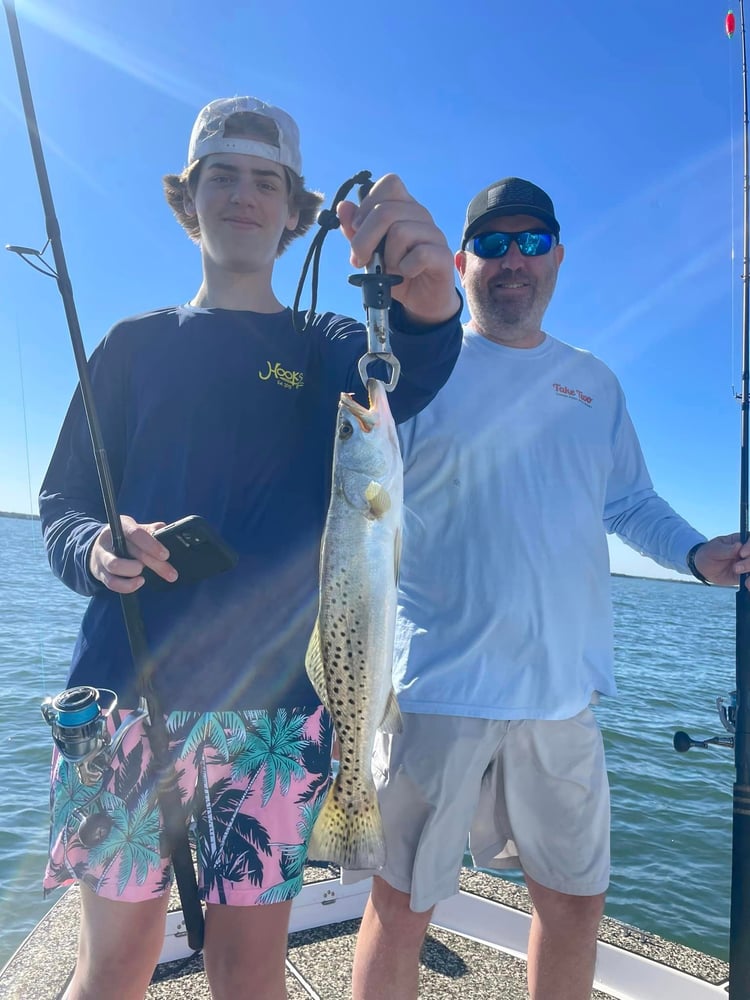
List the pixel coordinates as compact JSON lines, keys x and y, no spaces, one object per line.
{"x":83,"y":34}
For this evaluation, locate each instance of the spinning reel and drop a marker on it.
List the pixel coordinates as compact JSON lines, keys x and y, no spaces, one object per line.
{"x":78,"y":720}
{"x":727,"y":709}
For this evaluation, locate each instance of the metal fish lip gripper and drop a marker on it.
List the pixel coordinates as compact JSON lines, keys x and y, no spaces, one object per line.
{"x":376,"y":295}
{"x":376,"y":287}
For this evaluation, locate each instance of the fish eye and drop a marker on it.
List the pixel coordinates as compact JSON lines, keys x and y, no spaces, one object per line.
{"x":345,"y":430}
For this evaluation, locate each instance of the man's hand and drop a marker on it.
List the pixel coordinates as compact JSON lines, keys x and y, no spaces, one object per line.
{"x":722,"y":560}
{"x":123,"y":576}
{"x":414,"y":248}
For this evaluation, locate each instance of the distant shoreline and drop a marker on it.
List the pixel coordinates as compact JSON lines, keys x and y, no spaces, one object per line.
{"x":627,"y":576}
{"x":656,"y":579}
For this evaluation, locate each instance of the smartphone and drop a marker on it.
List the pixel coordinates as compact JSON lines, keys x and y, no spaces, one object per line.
{"x":195,"y":550}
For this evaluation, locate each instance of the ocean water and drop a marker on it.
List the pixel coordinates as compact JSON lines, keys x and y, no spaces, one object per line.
{"x":671,"y":813}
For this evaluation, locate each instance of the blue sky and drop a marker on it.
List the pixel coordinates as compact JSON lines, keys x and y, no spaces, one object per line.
{"x":629,"y":115}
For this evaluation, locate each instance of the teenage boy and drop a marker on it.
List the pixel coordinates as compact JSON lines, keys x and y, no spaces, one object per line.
{"x":220,"y":408}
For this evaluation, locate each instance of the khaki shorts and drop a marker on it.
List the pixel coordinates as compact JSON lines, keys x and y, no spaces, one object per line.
{"x":532,"y":794}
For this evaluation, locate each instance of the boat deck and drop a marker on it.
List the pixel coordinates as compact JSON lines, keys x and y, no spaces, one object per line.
{"x":320,"y":958}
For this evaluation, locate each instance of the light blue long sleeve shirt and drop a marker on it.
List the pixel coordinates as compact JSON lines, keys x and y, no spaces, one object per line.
{"x":513,"y":476}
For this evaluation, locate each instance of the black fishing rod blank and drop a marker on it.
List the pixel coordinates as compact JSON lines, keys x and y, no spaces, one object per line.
{"x":175,"y":828}
{"x":739,"y":921}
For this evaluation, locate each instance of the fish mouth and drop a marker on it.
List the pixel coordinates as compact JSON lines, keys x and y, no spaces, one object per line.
{"x":367,"y":419}
{"x":377,"y":393}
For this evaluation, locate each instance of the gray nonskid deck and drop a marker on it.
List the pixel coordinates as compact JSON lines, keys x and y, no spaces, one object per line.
{"x":452,"y":965}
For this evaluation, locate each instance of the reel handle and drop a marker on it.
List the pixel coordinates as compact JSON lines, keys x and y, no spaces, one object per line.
{"x":683,"y":742}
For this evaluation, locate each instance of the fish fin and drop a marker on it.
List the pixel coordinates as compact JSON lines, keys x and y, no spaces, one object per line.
{"x":378,"y":499}
{"x":354,"y":488}
{"x":392,"y":721}
{"x":397,"y":554}
{"x":314,"y":666}
{"x":351,"y":838}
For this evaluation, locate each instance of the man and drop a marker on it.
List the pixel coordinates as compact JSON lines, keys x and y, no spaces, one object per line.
{"x":513,"y":476}
{"x":221,"y":408}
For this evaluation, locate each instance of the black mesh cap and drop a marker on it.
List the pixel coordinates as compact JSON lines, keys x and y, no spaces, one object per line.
{"x":510,"y":196}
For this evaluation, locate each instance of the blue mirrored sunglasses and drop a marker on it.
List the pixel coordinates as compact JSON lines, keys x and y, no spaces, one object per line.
{"x":530,"y":243}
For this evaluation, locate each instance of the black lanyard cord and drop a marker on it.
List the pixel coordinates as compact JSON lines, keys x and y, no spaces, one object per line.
{"x":327,"y":220}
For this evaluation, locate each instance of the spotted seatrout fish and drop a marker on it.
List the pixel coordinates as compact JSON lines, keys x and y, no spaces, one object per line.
{"x":350,"y":656}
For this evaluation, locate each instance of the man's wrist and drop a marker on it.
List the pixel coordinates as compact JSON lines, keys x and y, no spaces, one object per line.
{"x":693,"y":568}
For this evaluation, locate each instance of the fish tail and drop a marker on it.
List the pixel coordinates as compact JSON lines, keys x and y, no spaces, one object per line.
{"x":349,"y":833}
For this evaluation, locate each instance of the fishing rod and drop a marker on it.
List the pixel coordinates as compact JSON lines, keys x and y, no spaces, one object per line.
{"x":734,"y":711}
{"x":76,"y":716}
{"x":739,"y":919}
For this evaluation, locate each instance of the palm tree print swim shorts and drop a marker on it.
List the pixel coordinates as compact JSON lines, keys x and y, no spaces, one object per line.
{"x":251,"y":783}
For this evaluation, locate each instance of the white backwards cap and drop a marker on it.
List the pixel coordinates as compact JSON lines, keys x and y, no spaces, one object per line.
{"x":230,"y":125}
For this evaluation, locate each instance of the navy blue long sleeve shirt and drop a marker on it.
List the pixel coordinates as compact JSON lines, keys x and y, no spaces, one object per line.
{"x":231,"y":415}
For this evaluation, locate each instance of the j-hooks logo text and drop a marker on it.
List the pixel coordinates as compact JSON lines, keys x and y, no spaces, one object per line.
{"x":284,"y":378}
{"x":564,"y":390}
